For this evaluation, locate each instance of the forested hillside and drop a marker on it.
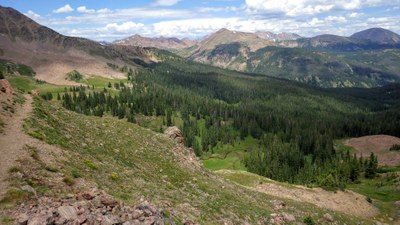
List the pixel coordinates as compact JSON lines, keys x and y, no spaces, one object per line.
{"x":294,"y":125}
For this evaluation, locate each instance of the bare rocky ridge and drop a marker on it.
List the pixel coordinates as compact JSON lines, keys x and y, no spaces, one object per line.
{"x":225,"y":36}
{"x":52,"y":55}
{"x":160,"y":42}
{"x":175,"y":134}
{"x":187,"y":155}
{"x":278,"y":37}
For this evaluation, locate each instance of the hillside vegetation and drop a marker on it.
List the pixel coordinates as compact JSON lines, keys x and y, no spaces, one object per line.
{"x":131,"y":163}
{"x":292,"y":125}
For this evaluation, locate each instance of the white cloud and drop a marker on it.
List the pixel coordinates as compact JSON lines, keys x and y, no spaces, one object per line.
{"x":335,"y":19}
{"x":83,"y":9}
{"x":356,"y":14}
{"x":306,"y":17}
{"x":65,"y":9}
{"x":31,"y":14}
{"x":126,"y":27}
{"x":105,"y":10}
{"x":310,"y":7}
{"x":165,"y":2}
{"x":195,"y":28}
{"x":105,"y":16}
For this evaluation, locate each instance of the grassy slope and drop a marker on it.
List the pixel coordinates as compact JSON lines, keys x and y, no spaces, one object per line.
{"x":229,"y":156}
{"x":382,"y":197}
{"x":131,"y":162}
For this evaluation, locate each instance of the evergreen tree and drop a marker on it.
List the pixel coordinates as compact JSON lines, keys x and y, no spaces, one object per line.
{"x":371,"y":166}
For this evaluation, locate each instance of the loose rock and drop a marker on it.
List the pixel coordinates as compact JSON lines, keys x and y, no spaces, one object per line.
{"x":328,"y":217}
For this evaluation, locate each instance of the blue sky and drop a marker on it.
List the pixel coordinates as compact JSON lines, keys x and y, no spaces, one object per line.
{"x":116,"y":19}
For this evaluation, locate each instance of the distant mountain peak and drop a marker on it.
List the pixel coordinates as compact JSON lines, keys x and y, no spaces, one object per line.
{"x":223,"y":30}
{"x":225,"y":36}
{"x":377,"y":35}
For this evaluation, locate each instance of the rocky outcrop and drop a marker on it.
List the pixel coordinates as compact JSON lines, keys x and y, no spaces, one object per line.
{"x":92,"y":207}
{"x":6,"y":87}
{"x":175,"y":134}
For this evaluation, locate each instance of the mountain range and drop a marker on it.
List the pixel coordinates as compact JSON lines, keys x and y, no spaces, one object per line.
{"x":324,"y":60}
{"x":321,"y":60}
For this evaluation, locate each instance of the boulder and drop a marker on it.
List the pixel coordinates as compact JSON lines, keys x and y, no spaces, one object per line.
{"x":110,"y":220}
{"x":278,"y":204}
{"x":6,"y":87}
{"x":328,"y":217}
{"x":22,"y":219}
{"x":67,"y":212}
{"x":175,"y":134}
{"x":29,"y":189}
{"x":89,"y":195}
{"x":108,"y":201}
{"x":282,"y":218}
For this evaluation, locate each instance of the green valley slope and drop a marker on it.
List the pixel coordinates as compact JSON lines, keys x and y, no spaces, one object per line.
{"x":133,"y":163}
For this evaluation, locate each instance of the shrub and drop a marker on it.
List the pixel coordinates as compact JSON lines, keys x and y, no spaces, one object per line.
{"x":25,"y":70}
{"x":395,"y":147}
{"x":48,"y":96}
{"x":90,"y":164}
{"x":74,"y":76}
{"x":308,"y":220}
{"x":114,"y":176}
{"x":14,"y":169}
{"x":75,"y":173}
{"x":69,"y":180}
{"x":34,"y":153}
{"x":52,"y":168}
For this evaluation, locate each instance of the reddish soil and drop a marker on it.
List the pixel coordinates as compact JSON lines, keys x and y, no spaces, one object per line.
{"x":379,"y":145}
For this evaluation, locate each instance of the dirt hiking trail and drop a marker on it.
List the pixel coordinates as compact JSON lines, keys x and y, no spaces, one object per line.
{"x":13,"y":140}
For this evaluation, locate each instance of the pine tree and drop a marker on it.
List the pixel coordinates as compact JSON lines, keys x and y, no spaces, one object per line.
{"x":354,"y":168}
{"x":371,"y":166}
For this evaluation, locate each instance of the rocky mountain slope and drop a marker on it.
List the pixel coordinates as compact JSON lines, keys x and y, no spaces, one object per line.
{"x":53,"y":55}
{"x":377,"y":35}
{"x":313,"y":60}
{"x":279,"y":36}
{"x":224,"y":36}
{"x":373,"y":38}
{"x":230,"y":45}
{"x":160,"y":42}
